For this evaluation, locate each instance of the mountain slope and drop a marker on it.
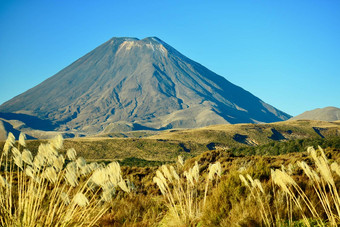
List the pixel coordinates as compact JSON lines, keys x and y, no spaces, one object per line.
{"x":322,"y":114}
{"x":139,"y":84}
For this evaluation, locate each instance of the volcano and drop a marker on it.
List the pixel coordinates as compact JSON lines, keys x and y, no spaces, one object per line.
{"x":131,"y":84}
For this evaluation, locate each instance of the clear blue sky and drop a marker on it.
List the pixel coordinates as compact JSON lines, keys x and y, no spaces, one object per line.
{"x":285,"y":52}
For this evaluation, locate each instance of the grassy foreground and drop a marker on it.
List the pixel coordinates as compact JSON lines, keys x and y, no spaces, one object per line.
{"x":52,"y":186}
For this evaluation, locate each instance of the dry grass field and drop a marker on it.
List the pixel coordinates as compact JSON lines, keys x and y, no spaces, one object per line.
{"x":176,"y":178}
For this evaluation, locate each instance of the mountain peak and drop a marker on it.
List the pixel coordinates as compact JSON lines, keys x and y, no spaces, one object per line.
{"x":153,"y":39}
{"x":142,"y":84}
{"x":124,"y":39}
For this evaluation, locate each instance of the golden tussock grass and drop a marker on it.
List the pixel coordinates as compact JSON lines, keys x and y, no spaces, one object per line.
{"x":53,"y":186}
{"x":52,"y":190}
{"x":314,"y":201}
{"x":182,"y":194}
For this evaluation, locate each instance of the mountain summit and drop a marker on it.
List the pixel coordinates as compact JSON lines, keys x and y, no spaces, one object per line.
{"x":130,"y":84}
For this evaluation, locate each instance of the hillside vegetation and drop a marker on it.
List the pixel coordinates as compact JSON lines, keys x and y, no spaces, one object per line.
{"x":245,"y":139}
{"x":220,"y":187}
{"x":254,"y":134}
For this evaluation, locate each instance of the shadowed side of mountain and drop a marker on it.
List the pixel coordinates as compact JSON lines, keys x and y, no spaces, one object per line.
{"x":30,"y":121}
{"x":6,"y":127}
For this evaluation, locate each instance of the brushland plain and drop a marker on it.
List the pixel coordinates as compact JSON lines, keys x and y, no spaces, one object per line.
{"x":228,"y":170}
{"x":248,"y":139}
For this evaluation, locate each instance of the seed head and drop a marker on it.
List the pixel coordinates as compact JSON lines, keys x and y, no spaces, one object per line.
{"x":16,"y":152}
{"x":50,"y":174}
{"x":71,"y":174}
{"x":22,"y":138}
{"x":114,"y":172}
{"x":80,"y":162}
{"x":336,"y":168}
{"x":65,"y":198}
{"x":316,"y":176}
{"x":258,"y":185}
{"x":243,"y":179}
{"x":174,"y":173}
{"x":161,"y":177}
{"x":180,"y":160}
{"x":251,"y":180}
{"x":93,"y":166}
{"x":305,"y":167}
{"x":11,"y":138}
{"x":42,"y":150}
{"x":57,"y":142}
{"x":38,"y":161}
{"x":322,"y":153}
{"x":71,"y":154}
{"x":107,"y":195}
{"x":7,"y":148}
{"x":27,"y":157}
{"x":160,"y":184}
{"x":196,"y":172}
{"x":189,"y":177}
{"x":18,"y":160}
{"x":85,"y":170}
{"x":282,"y":179}
{"x":59,"y":163}
{"x":166,"y":172}
{"x":114,"y":167}
{"x":71,"y":167}
{"x":122,"y":184}
{"x":3,"y":182}
{"x":215,"y":169}
{"x":100,"y":177}
{"x":311,"y":151}
{"x":29,"y":172}
{"x":71,"y":178}
{"x":9,"y":143}
{"x":108,"y":186}
{"x":80,"y":199}
{"x":324,"y":170}
{"x":321,"y":162}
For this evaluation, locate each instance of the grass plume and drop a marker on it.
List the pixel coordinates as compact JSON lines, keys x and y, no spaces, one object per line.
{"x":45,"y":191}
{"x":182,"y":193}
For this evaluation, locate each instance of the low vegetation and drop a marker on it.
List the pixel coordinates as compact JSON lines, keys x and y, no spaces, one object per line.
{"x":275,"y":184}
{"x":182,"y":192}
{"x":286,"y":147}
{"x":52,"y":190}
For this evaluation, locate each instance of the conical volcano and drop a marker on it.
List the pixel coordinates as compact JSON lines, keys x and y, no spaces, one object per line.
{"x":128,"y":84}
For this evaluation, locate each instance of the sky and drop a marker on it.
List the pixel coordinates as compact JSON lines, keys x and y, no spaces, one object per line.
{"x":285,"y":52}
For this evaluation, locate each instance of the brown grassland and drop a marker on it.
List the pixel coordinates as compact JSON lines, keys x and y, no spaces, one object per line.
{"x":242,"y":175}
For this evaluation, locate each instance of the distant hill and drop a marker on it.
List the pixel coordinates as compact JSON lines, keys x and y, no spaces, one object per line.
{"x":322,"y":114}
{"x":129,"y":84}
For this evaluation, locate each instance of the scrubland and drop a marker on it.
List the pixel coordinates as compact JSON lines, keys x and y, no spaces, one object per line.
{"x":291,"y":183}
